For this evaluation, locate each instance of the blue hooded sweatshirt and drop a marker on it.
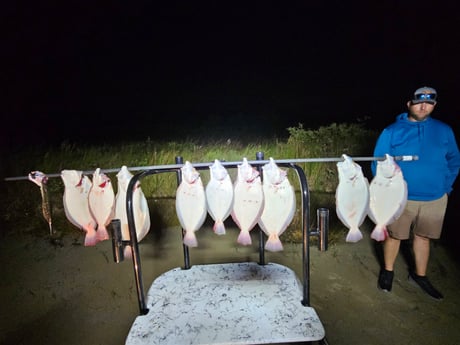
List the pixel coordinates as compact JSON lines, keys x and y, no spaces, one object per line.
{"x":434,"y":173}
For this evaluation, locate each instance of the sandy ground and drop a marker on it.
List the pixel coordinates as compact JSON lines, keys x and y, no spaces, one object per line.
{"x":71,"y":294}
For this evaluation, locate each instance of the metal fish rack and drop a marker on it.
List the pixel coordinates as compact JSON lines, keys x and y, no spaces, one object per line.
{"x":234,"y":163}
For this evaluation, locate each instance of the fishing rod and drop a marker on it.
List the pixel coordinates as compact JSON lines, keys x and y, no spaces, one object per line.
{"x":224,"y":163}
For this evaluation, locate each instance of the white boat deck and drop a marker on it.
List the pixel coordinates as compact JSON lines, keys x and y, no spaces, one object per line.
{"x":231,"y":303}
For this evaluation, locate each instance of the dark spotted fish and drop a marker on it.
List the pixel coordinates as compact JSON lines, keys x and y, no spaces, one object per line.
{"x":41,"y":180}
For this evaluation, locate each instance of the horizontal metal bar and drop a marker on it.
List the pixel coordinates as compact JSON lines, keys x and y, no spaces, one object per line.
{"x":253,"y":162}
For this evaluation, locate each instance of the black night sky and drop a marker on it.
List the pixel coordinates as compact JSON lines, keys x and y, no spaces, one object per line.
{"x":117,"y":70}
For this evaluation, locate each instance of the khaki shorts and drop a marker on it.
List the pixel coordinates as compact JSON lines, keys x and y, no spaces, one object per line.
{"x":424,"y":218}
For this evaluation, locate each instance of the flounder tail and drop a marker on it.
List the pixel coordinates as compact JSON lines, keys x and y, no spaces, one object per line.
{"x":90,"y":237}
{"x":102,"y":234}
{"x":219,"y":227}
{"x":190,"y":239}
{"x":244,"y":238}
{"x":273,"y":244}
{"x":354,"y":235}
{"x":379,"y":233}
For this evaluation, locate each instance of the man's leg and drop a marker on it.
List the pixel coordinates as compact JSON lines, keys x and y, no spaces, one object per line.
{"x":390,"y":252}
{"x":421,"y":246}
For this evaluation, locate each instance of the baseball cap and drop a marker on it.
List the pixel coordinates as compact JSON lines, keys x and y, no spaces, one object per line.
{"x":424,"y":94}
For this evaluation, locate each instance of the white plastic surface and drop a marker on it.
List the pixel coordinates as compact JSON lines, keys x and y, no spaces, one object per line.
{"x":232,"y":303}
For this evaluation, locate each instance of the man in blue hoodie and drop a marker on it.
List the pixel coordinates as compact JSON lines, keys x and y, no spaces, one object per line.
{"x":429,"y":181}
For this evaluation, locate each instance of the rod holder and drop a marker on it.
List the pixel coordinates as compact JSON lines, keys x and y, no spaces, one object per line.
{"x":322,"y":218}
{"x":117,"y":241}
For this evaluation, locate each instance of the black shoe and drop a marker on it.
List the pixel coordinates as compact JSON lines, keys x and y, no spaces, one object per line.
{"x":385,"y":280}
{"x":426,"y":286}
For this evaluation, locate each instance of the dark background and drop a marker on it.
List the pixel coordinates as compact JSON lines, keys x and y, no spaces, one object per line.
{"x":86,"y":71}
{"x":91,"y":72}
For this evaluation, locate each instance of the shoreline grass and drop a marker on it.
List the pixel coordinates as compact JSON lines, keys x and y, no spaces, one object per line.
{"x":21,"y":201}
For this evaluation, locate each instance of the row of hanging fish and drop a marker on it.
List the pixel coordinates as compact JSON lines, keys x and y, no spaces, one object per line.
{"x":383,"y":200}
{"x":91,"y":205}
{"x":248,"y":200}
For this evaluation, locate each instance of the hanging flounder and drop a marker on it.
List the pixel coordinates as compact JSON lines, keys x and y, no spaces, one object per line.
{"x":140,"y":208}
{"x":76,"y":203}
{"x":219,"y":196}
{"x":351,"y":197}
{"x":190,"y":203}
{"x":279,"y":207}
{"x":388,"y":196}
{"x":41,"y":180}
{"x":248,"y":201}
{"x":101,"y":203}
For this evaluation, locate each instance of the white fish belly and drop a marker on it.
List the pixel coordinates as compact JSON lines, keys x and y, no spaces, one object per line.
{"x":387,"y":199}
{"x":219,"y":198}
{"x":279,"y":208}
{"x":352,"y":200}
{"x":248,"y":204}
{"x":140,"y":210}
{"x":191,"y":205}
{"x":141,"y":214}
{"x":120,"y":213}
{"x":76,"y":207}
{"x":101,"y":203}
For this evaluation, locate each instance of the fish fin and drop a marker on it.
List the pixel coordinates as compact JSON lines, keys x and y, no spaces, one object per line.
{"x":190,"y":239}
{"x":102,"y":234}
{"x":90,"y":237}
{"x":219,"y":227}
{"x":244,"y":238}
{"x":379,"y":233}
{"x":354,"y":235}
{"x":273,"y":244}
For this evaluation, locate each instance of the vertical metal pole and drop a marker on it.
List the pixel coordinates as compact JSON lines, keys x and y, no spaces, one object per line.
{"x":305,"y":234}
{"x":134,"y":244}
{"x":180,"y":160}
{"x":260,"y":157}
{"x":322,"y":216}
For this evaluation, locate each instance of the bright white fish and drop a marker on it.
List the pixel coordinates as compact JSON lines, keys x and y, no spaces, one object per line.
{"x":140,"y":208}
{"x":190,"y":203}
{"x":41,"y":180}
{"x":248,"y":202}
{"x":388,"y":196}
{"x":279,"y":205}
{"x":219,"y":196}
{"x":351,"y":197}
{"x":76,"y":203}
{"x":101,"y":203}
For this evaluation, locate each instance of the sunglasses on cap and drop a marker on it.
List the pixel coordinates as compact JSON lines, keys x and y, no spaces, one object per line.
{"x":425,"y":97}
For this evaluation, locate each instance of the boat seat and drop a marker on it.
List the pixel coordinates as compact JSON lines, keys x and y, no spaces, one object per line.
{"x":230,"y":303}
